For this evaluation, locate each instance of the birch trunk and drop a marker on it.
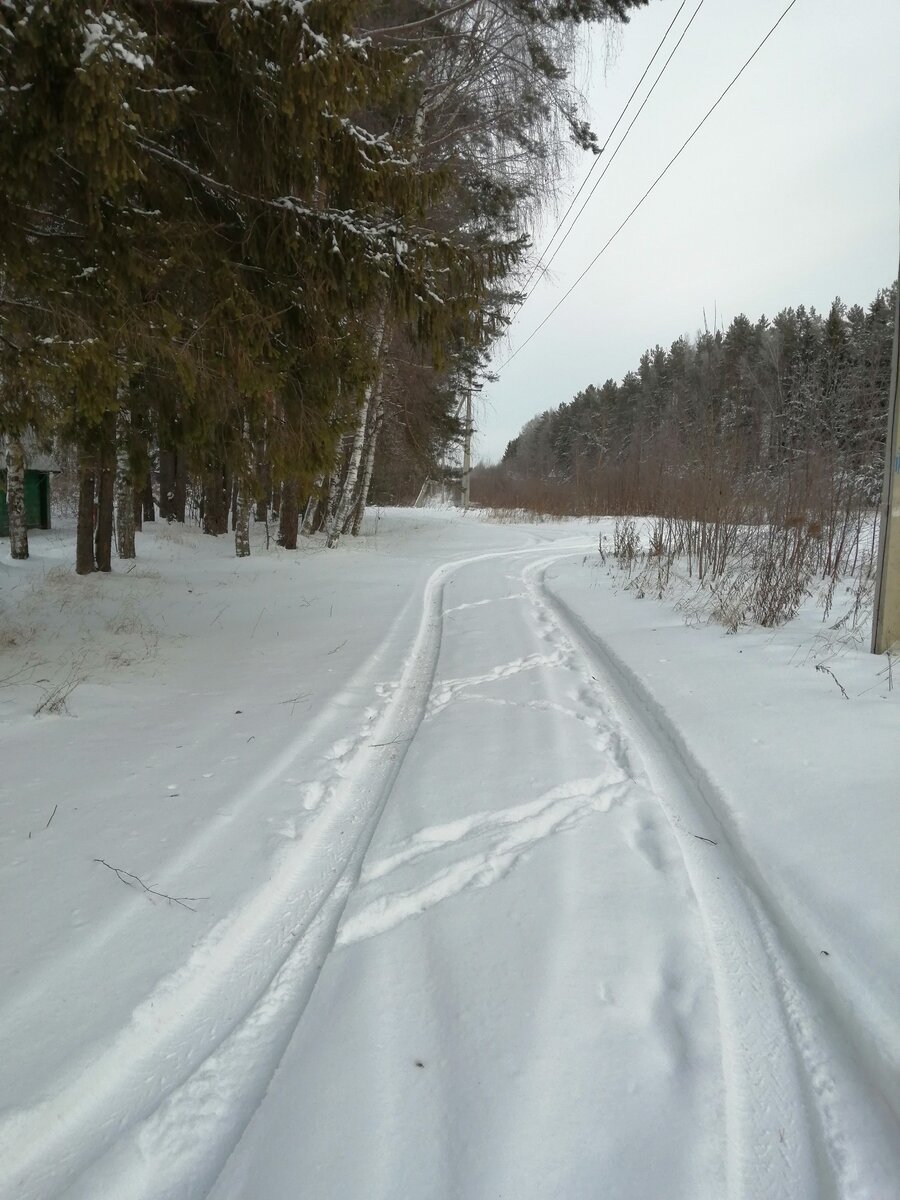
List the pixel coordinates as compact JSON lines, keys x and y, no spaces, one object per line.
{"x":241,"y":521}
{"x":328,"y":507}
{"x":240,"y":502}
{"x":124,"y":487}
{"x":15,"y":499}
{"x":374,"y":404}
{"x":368,"y":468}
{"x":312,"y":507}
{"x":344,"y":495}
{"x":348,"y":490}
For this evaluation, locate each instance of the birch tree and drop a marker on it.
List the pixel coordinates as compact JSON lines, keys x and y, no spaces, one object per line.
{"x":494,"y":105}
{"x":344,"y":500}
{"x":125,"y":546}
{"x":242,"y":497}
{"x":15,"y":498}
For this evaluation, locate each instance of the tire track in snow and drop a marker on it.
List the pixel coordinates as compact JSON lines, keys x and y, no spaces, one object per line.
{"x":843,"y":1039}
{"x":774,"y":1142}
{"x":158,"y":1108}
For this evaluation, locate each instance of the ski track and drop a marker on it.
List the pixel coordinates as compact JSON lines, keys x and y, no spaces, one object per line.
{"x":207,"y":1039}
{"x":157,"y":1111}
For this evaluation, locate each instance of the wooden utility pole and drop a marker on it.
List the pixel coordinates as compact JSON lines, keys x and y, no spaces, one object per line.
{"x":467,"y":450}
{"x":886,"y":620}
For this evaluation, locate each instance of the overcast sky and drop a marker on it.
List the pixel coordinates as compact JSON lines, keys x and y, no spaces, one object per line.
{"x":788,"y":195}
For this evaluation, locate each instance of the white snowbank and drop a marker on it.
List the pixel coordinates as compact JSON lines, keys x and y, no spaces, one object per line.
{"x":620,"y":897}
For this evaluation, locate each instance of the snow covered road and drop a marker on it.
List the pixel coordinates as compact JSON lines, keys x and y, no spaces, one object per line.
{"x":550,"y":981}
{"x":506,"y":948}
{"x":521,"y":1003}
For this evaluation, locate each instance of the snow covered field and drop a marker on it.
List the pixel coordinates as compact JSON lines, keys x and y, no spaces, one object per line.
{"x":484,"y":879}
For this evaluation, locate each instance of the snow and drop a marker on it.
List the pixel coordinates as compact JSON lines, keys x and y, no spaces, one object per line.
{"x":105,"y":37}
{"x":493,"y":880}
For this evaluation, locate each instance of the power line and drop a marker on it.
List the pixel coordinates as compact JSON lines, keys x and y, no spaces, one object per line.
{"x":652,"y":186}
{"x":612,"y":157}
{"x":596,"y":161}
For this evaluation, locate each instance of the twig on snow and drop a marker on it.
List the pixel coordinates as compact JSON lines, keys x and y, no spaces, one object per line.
{"x":126,"y":875}
{"x":14,"y":676}
{"x":52,"y":815}
{"x":701,"y":838}
{"x":825,"y":671}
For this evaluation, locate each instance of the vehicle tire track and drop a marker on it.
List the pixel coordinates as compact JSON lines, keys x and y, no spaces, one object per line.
{"x":209,"y":1037}
{"x":775,"y":1144}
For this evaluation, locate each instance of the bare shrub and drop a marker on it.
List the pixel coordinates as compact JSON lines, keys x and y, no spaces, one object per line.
{"x":626,"y":541}
{"x":656,"y":545}
{"x":730,"y":599}
{"x":129,"y":622}
{"x":513,"y":516}
{"x":779,"y":585}
{"x":56,"y":697}
{"x":750,"y":534}
{"x":493,"y":488}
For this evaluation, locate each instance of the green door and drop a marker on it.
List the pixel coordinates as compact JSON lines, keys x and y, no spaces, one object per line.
{"x":33,"y":499}
{"x":37,"y":502}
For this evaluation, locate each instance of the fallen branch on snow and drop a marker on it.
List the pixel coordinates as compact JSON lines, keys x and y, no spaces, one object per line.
{"x":125,"y":876}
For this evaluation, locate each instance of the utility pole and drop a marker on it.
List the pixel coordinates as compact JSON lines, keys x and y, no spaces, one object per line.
{"x":467,"y":450}
{"x":886,"y":618}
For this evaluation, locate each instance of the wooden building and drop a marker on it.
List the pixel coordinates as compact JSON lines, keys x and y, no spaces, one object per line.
{"x":38,"y":469}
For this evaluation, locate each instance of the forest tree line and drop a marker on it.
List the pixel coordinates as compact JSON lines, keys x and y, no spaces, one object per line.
{"x":755,"y":454}
{"x":243,"y":240}
{"x":785,"y":417}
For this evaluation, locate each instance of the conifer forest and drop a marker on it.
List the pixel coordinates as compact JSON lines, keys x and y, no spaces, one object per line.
{"x":761,"y":444}
{"x":242,"y":242}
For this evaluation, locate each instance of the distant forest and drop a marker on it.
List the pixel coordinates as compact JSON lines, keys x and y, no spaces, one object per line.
{"x":792,"y":407}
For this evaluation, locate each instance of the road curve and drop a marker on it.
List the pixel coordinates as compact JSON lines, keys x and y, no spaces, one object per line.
{"x":510,"y":951}
{"x":549,"y":979}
